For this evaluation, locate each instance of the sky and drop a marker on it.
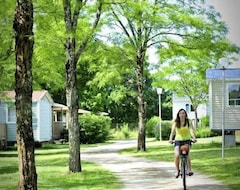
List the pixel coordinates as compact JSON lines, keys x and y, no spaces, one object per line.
{"x":229,"y":10}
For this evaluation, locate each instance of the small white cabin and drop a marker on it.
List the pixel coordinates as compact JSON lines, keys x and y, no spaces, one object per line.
{"x":224,"y":98}
{"x":41,"y":118}
{"x":185,"y":103}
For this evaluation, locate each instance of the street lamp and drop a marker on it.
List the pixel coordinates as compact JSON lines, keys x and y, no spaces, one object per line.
{"x":223,"y":63}
{"x":159,"y":92}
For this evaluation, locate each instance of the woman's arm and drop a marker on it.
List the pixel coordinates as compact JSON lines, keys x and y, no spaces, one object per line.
{"x":172,"y":133}
{"x":192,"y":132}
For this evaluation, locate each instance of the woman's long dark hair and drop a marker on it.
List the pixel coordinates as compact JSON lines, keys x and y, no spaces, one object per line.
{"x":177,"y":120}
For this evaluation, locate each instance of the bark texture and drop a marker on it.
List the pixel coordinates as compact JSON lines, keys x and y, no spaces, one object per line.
{"x":23,"y":24}
{"x":141,"y":104}
{"x":72,"y":103}
{"x":73,"y":53}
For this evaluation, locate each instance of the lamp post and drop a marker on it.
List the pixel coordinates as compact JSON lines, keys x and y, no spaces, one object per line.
{"x":159,"y":92}
{"x":223,"y":63}
{"x":223,"y":110}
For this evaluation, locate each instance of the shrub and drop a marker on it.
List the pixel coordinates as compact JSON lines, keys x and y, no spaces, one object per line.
{"x":124,"y":131}
{"x":94,"y":128}
{"x":204,"y":121}
{"x":166,"y":129}
{"x":152,"y":128}
{"x":203,"y":132}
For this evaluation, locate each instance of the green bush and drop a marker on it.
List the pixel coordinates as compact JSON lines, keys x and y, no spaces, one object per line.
{"x":124,"y":131}
{"x":152,"y":128}
{"x":203,"y":132}
{"x":204,"y":122}
{"x":94,"y":128}
{"x":166,"y":129}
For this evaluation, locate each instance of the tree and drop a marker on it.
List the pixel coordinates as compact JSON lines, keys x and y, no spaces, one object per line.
{"x":23,"y":25}
{"x":74,"y":48}
{"x":139,"y":25}
{"x":185,"y":62}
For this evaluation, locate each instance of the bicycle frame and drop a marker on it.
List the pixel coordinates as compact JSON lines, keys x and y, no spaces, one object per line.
{"x":183,"y":170}
{"x":184,"y":150}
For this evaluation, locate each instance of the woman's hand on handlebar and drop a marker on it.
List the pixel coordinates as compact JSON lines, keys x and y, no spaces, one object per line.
{"x":194,"y":140}
{"x":171,"y":141}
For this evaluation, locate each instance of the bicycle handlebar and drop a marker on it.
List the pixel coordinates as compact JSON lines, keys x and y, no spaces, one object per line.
{"x":192,"y":141}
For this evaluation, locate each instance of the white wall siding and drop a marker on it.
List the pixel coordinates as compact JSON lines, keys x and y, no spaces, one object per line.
{"x":231,"y":114}
{"x":3,"y":116}
{"x":11,"y":132}
{"x":45,"y":120}
{"x":35,"y":121}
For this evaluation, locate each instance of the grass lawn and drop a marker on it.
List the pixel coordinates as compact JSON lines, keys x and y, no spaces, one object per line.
{"x":206,"y":156}
{"x":52,"y":165}
{"x":52,"y":170}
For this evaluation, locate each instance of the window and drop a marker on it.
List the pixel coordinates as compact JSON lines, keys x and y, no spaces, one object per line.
{"x":61,"y":116}
{"x":189,"y":108}
{"x":11,"y":114}
{"x":234,"y":94}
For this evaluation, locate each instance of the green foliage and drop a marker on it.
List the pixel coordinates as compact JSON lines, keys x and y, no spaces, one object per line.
{"x":203,"y":132}
{"x":199,"y":41}
{"x":152,"y":128}
{"x":166,"y":129}
{"x":49,"y":57}
{"x":204,"y":121}
{"x":95,"y":128}
{"x":7,"y":63}
{"x":124,"y":131}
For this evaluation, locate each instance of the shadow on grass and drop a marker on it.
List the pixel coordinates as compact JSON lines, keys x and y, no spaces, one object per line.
{"x":92,"y":177}
{"x":8,"y":169}
{"x":7,"y":155}
{"x":46,"y":153}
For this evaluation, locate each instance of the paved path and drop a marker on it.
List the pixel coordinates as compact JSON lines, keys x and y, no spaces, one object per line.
{"x":144,"y":174}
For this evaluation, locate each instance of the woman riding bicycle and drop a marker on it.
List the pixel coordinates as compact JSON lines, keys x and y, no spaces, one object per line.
{"x":183,"y":131}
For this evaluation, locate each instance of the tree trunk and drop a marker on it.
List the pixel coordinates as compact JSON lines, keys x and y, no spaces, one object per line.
{"x":72,"y":104}
{"x":141,"y":108}
{"x":71,"y":22}
{"x":23,"y":23}
{"x":196,"y":118}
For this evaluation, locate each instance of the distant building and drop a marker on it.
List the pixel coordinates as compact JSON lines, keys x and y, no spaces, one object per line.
{"x":224,"y":102}
{"x":185,"y":103}
{"x":48,"y":118}
{"x":224,"y":98}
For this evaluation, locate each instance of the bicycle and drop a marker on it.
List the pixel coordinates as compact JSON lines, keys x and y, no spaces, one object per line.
{"x":184,"y":156}
{"x":184,"y":149}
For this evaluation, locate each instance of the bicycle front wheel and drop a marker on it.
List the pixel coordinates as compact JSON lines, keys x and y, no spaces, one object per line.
{"x":183,"y":168}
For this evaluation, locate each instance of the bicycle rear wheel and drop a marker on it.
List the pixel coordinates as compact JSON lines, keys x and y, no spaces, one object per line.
{"x":183,"y":168}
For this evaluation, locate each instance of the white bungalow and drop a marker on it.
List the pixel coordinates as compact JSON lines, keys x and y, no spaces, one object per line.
{"x":224,"y":99}
{"x":48,"y":117}
{"x":185,"y":103}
